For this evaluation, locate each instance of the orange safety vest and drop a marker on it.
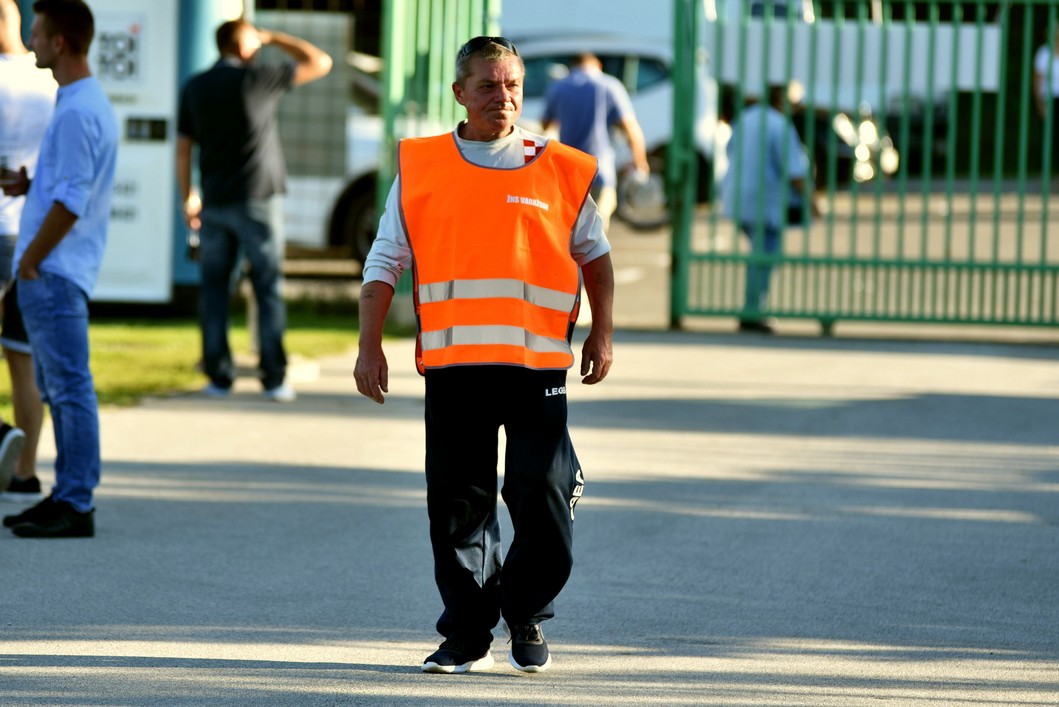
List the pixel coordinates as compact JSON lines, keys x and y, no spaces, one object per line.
{"x":494,"y":281}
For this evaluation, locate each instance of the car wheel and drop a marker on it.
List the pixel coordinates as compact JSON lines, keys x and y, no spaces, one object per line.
{"x":354,"y":225}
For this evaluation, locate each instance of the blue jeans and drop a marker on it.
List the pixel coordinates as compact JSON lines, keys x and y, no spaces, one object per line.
{"x":252,"y":227}
{"x":766,"y":243}
{"x":55,"y":311}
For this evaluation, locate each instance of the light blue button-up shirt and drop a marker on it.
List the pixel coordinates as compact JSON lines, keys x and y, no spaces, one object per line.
{"x":75,"y":168}
{"x":757,"y":157}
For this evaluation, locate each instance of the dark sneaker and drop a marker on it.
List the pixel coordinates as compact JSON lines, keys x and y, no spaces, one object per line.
{"x":45,"y":510}
{"x":22,"y":490}
{"x":12,"y":440}
{"x":454,"y":656}
{"x":756,"y":326}
{"x":529,"y":650}
{"x":64,"y":523}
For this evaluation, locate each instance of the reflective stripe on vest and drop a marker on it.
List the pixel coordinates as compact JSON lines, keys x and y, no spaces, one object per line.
{"x":495,"y":281}
{"x":481,"y":289}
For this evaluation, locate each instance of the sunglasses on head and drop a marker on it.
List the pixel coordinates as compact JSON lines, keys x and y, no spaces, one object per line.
{"x":477,"y":43}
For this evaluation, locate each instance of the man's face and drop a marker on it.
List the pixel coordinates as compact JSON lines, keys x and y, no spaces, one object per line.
{"x":492,"y":95}
{"x":46,"y":48}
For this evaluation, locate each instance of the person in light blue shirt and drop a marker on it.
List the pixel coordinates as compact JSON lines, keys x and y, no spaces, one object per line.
{"x":768,"y":175}
{"x":62,"y":235}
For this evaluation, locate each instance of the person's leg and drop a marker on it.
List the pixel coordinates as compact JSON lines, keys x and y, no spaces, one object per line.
{"x":12,"y":439}
{"x":461,"y":475}
{"x":542,"y":481}
{"x":29,"y":410}
{"x":261,"y":238}
{"x":752,"y":291}
{"x":763,"y":243}
{"x":1055,"y":144}
{"x":25,"y":398}
{"x":217,"y":255}
{"x":770,"y":247}
{"x":55,"y":312}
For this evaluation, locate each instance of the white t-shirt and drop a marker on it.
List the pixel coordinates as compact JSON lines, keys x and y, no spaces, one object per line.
{"x":1041,"y":59}
{"x":390,"y":254}
{"x":27,"y":99}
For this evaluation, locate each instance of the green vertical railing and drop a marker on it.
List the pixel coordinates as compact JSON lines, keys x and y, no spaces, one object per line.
{"x":420,"y":39}
{"x":419,"y":44}
{"x":960,"y":232}
{"x":681,"y":163}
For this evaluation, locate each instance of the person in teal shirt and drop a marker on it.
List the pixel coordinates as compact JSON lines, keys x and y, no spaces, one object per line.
{"x":768,"y":170}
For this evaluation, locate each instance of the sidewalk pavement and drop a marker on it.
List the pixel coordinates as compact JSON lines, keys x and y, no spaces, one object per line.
{"x":784,"y":521}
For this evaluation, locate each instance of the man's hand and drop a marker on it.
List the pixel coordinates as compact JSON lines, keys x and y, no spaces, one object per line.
{"x":27,"y":270}
{"x":310,"y":62}
{"x":14,"y":183}
{"x":192,"y":211}
{"x":372,"y":374}
{"x":597,"y":355}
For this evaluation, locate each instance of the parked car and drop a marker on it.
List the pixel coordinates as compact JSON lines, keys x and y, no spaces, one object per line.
{"x":353,"y":220}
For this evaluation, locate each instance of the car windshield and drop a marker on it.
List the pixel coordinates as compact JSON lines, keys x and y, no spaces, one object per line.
{"x":637,"y":73}
{"x":542,"y":70}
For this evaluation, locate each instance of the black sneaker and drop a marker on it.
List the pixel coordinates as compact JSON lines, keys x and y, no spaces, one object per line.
{"x":454,"y":656}
{"x":529,"y":650}
{"x":22,"y":490}
{"x":64,"y":522}
{"x":12,"y":440}
{"x":45,"y":510}
{"x":756,"y":326}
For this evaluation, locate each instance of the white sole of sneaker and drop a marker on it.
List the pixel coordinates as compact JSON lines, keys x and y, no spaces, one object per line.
{"x":483,"y":663}
{"x":529,"y":668}
{"x":10,"y":449}
{"x":11,"y":497}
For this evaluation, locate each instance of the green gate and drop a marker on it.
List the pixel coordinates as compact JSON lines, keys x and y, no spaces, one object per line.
{"x":420,"y":39}
{"x":956,"y":229}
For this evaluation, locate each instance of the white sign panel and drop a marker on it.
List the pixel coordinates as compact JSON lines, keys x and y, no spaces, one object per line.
{"x":134,"y":56}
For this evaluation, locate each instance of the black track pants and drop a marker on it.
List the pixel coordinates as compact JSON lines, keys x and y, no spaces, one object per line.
{"x":465,"y":407}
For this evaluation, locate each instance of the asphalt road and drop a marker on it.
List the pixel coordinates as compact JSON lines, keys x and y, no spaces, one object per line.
{"x":767,"y":521}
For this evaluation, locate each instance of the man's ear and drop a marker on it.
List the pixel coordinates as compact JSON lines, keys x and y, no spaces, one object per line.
{"x":457,"y":90}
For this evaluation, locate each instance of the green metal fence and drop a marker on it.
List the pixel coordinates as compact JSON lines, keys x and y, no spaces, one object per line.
{"x":956,"y":230}
{"x":420,"y":41}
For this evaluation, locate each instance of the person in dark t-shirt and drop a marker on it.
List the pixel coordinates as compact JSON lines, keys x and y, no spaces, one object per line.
{"x":229,"y":113}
